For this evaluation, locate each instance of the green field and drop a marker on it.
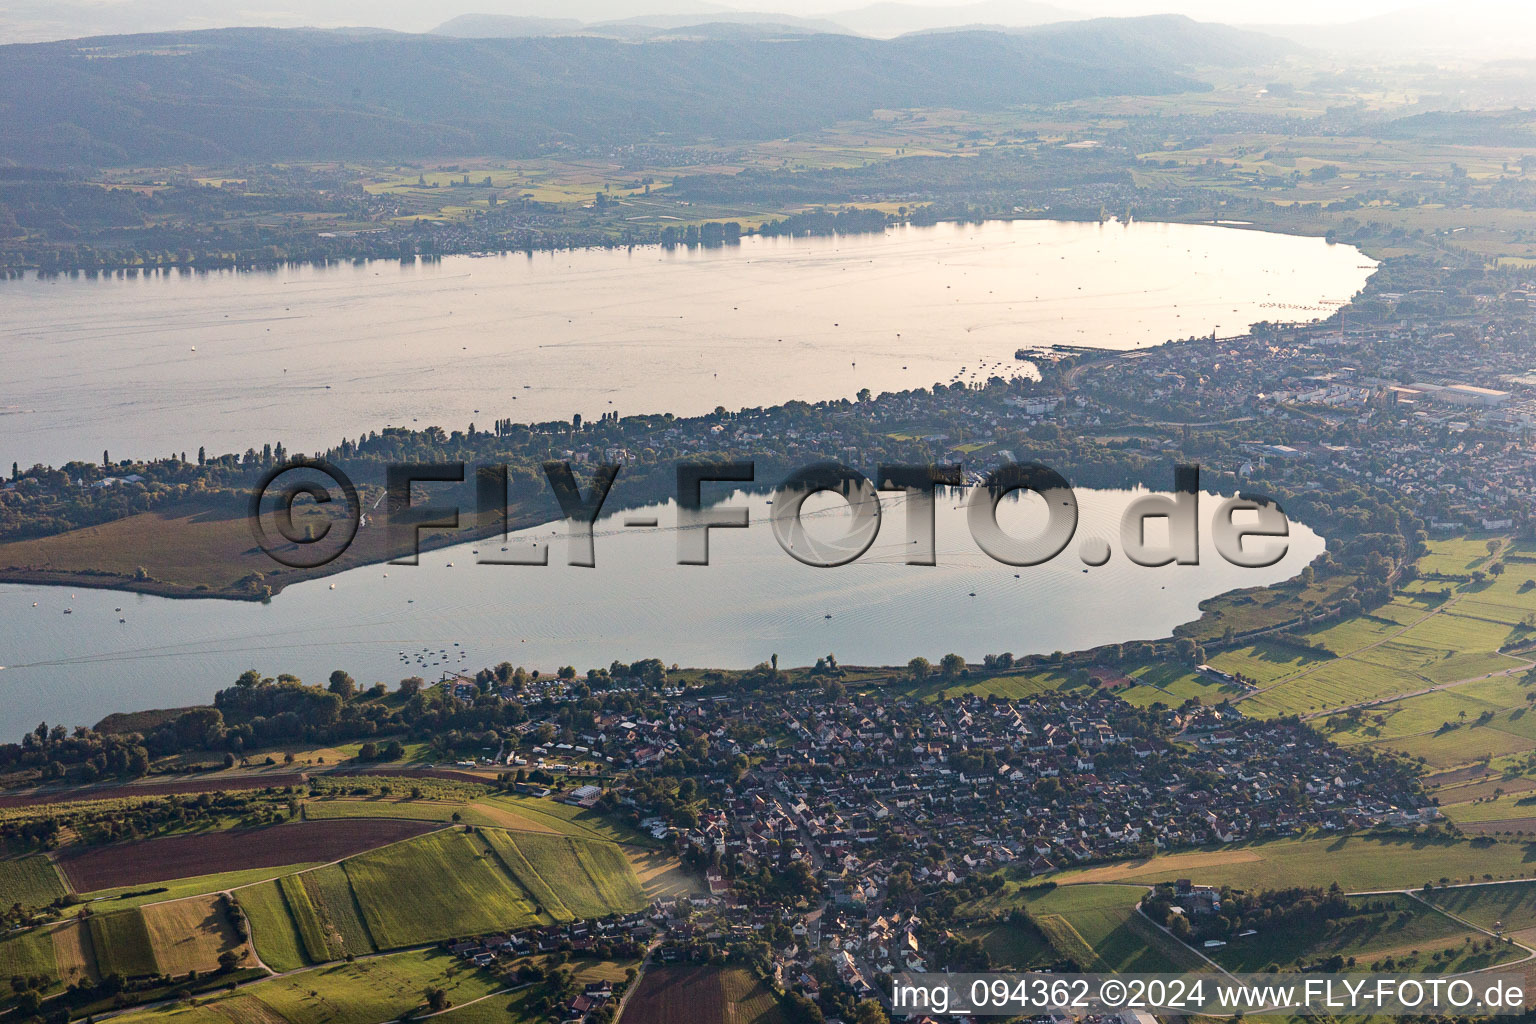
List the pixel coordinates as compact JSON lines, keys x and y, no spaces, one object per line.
{"x":365,"y":992}
{"x":1097,"y":926}
{"x":513,"y":1008}
{"x":273,"y":931}
{"x":27,"y":954}
{"x":572,"y":821}
{"x":305,"y":918}
{"x":1068,"y":943}
{"x":371,"y":990}
{"x":1513,"y":805}
{"x":330,"y":892}
{"x":415,"y":810}
{"x":1433,"y":633}
{"x":442,"y":885}
{"x":1403,"y":925}
{"x":511,"y":811}
{"x":438,"y":886}
{"x":199,"y":885}
{"x":1511,"y":907}
{"x":1011,"y":946}
{"x":582,"y":878}
{"x":1358,"y":863}
{"x":122,"y":944}
{"x":507,"y":1008}
{"x":32,"y":881}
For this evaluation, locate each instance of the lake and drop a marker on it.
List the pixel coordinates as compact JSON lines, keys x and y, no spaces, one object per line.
{"x":152,"y":365}
{"x":753,"y":601}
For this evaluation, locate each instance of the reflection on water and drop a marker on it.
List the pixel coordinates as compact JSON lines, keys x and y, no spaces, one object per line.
{"x":751,"y":602}
{"x":152,"y":365}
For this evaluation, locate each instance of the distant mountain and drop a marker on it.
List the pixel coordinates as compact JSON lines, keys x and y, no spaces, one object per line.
{"x":641,"y":32}
{"x":506,"y":26}
{"x":888,"y":19}
{"x":233,"y":95}
{"x":757,"y":18}
{"x":24,"y":21}
{"x":1161,"y":40}
{"x":712,"y":25}
{"x":1477,"y":28}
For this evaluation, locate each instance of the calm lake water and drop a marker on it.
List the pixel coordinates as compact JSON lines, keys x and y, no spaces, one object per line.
{"x":752,"y":601}
{"x":151,"y":365}
{"x":147,"y":366}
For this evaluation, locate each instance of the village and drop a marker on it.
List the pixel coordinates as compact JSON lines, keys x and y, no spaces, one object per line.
{"x":825,"y":826}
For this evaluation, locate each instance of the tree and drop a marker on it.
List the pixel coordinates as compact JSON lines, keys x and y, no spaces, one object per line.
{"x":951,"y":665}
{"x":869,"y":1012}
{"x":800,"y":1010}
{"x":342,"y":685}
{"x":437,"y":999}
{"x":919,"y":668}
{"x":228,"y":960}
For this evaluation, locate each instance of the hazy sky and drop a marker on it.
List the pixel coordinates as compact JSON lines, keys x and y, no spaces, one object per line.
{"x":1229,"y":11}
{"x":1250,"y":11}
{"x":33,"y":20}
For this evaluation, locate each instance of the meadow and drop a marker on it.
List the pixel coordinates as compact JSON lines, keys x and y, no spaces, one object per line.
{"x":1359,"y":863}
{"x":588,"y":879}
{"x":1396,"y":926}
{"x":27,"y":954}
{"x":365,"y":992}
{"x":1010,"y":946}
{"x":31,"y":881}
{"x":122,"y":944}
{"x":1509,"y":907}
{"x":1438,"y":673}
{"x":440,"y":886}
{"x":1097,"y":926}
{"x":273,"y":929}
{"x":189,"y":935}
{"x":342,"y":925}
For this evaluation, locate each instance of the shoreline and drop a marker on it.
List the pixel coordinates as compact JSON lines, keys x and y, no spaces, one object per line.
{"x":34,"y":273}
